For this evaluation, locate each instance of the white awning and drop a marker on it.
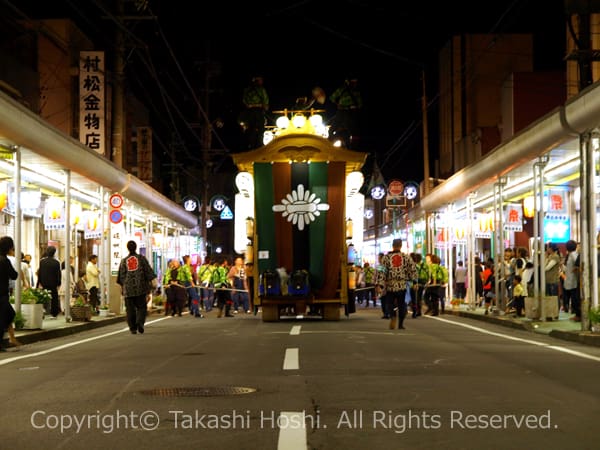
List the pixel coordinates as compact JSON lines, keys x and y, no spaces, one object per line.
{"x":42,"y":145}
{"x":558,"y":130}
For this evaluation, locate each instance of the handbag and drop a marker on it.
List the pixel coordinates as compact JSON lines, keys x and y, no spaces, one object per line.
{"x":154,"y":283}
{"x":408,"y":295}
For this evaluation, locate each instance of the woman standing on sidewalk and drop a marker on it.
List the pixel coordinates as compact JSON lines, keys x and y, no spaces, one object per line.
{"x":7,"y":273}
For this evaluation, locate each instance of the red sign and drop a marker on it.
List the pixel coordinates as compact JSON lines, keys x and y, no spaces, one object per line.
{"x":115,"y":216}
{"x":396,"y":188}
{"x":116,"y":201}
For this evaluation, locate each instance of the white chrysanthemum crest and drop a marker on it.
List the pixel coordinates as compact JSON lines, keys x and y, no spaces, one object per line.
{"x":301,"y":207}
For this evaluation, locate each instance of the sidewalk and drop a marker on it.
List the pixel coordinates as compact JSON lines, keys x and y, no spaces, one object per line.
{"x":563,"y":328}
{"x":59,"y":327}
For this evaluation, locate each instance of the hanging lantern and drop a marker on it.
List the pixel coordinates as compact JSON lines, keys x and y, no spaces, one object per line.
{"x":3,"y":195}
{"x":249,"y":227}
{"x":528,"y":207}
{"x":249,"y":254}
{"x":351,"y":279}
{"x":349,"y":229}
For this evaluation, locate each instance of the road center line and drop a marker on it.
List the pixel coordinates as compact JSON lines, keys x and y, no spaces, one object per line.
{"x":70,"y":344}
{"x":290,"y":361}
{"x":295,"y":330}
{"x":292,"y":431}
{"x":558,"y":348}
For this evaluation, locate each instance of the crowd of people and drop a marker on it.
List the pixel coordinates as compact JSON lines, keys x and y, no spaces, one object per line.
{"x":403,"y":282}
{"x":561,"y":276}
{"x":408,"y":282}
{"x":135,"y":277}
{"x":399,"y":281}
{"x":222,"y":283}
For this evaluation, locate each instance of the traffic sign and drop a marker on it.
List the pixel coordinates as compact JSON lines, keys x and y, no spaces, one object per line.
{"x":115,"y":216}
{"x":116,"y":201}
{"x":396,"y":188}
{"x":226,"y":214}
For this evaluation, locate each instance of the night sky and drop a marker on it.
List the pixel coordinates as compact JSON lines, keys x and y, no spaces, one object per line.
{"x":297,"y":45}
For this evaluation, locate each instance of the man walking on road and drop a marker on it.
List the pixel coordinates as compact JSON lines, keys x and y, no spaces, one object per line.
{"x":136,"y":278}
{"x":400,"y":270}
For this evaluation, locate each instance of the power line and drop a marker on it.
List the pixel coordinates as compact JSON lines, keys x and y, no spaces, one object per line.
{"x":198,"y":104}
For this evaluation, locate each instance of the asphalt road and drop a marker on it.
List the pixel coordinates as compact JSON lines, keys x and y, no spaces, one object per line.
{"x":239,"y":383}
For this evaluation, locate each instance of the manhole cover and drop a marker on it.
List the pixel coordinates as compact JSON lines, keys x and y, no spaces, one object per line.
{"x":218,"y":391}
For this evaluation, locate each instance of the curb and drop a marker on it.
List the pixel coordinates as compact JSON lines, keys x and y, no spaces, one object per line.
{"x":32,"y":336}
{"x":493,"y":319}
{"x":581,"y":337}
{"x":42,"y":335}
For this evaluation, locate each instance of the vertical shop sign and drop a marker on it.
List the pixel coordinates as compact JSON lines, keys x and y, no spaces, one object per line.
{"x":54,"y":214}
{"x":557,"y":205}
{"x":144,"y":154}
{"x":485,"y":226}
{"x":117,"y":232}
{"x":92,"y":101}
{"x":513,"y":217}
{"x":91,"y":225}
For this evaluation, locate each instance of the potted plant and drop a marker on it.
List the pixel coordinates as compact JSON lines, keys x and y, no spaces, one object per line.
{"x":594,"y":316}
{"x":103,"y":310}
{"x":81,"y":310}
{"x":36,"y":296}
{"x":158,"y":301}
{"x":19,"y":321}
{"x":32,"y":306}
{"x":455,"y":302}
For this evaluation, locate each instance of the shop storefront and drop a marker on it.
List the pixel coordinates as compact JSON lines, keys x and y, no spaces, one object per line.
{"x":75,"y":199}
{"x":540,"y":187}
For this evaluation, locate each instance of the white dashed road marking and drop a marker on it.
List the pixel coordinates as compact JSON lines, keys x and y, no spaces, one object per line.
{"x":290,"y":361}
{"x":292,"y":431}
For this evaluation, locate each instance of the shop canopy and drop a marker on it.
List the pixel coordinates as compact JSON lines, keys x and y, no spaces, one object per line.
{"x":44,"y":148}
{"x":557,"y":132}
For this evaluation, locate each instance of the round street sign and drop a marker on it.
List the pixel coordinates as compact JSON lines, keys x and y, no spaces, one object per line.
{"x":115,"y":216}
{"x":396,"y":188}
{"x":116,"y":201}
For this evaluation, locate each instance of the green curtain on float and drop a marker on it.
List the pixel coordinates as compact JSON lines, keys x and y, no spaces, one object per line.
{"x":317,"y":247}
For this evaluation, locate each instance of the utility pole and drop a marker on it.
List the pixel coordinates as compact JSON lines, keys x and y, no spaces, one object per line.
{"x":118,"y":125}
{"x":582,"y":53}
{"x":118,"y":114}
{"x":175,"y":169}
{"x":206,"y":146}
{"x":428,"y":234}
{"x":425,"y":136}
{"x":210,"y":69}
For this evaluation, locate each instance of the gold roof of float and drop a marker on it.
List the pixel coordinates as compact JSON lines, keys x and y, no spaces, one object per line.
{"x":299,"y":147}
